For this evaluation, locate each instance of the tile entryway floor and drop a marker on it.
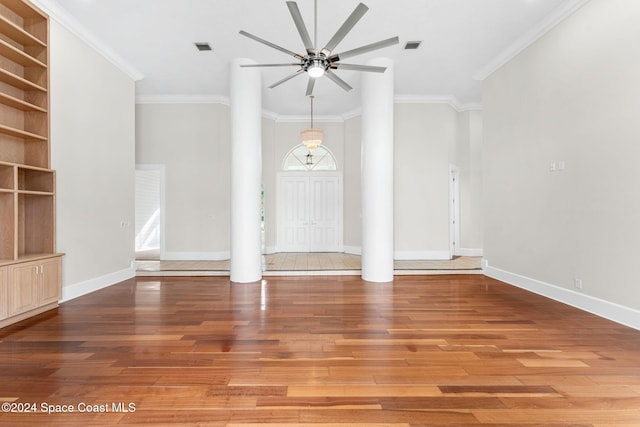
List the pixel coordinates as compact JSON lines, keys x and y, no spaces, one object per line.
{"x":307,"y":264}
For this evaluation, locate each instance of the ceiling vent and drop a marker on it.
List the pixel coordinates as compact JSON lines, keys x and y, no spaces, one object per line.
{"x":203,"y":46}
{"x":412,"y":45}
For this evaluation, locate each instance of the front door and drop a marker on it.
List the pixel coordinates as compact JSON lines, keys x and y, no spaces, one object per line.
{"x":310,"y":212}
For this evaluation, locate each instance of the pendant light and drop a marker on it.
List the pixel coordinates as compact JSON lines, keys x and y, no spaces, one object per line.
{"x":312,"y":137}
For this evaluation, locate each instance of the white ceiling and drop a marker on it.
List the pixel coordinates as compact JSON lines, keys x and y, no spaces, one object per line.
{"x":463,"y":41}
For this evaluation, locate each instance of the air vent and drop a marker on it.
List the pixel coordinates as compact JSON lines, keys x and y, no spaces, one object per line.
{"x":203,"y":46}
{"x":412,"y":45}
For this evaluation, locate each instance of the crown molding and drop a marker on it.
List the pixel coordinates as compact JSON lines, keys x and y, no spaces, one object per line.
{"x":352,"y":114}
{"x":450,"y":100}
{"x":71,"y":24}
{"x":428,"y":99}
{"x":470,"y":106}
{"x":266,"y":114}
{"x":528,"y":38}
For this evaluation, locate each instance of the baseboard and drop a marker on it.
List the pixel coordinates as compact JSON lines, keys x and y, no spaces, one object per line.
{"x":618,"y":313}
{"x":269,"y":250}
{"x":469,"y":251}
{"x":353,"y":250}
{"x":196,"y":256}
{"x":23,"y":316}
{"x":79,"y":289}
{"x":421,"y":255}
{"x":408,"y":255}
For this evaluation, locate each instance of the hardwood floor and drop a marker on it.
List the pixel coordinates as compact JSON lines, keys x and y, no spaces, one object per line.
{"x":459,"y":350}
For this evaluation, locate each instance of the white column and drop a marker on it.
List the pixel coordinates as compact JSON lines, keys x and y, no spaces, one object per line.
{"x":377,"y":173}
{"x":246,"y":171}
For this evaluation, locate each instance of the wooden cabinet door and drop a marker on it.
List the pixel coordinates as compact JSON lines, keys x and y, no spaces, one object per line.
{"x":3,"y":293}
{"x":23,"y":288}
{"x":49,"y":281}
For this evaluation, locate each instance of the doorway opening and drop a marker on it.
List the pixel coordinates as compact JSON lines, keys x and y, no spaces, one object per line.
{"x":149,"y":206}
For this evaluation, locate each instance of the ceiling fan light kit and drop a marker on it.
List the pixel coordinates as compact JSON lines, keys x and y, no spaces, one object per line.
{"x":317,"y":63}
{"x":316,"y":70}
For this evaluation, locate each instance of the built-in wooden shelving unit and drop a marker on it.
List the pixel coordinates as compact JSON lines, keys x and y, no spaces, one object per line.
{"x":30,"y":268}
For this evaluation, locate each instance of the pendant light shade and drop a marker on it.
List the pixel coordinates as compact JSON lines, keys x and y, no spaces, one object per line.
{"x":312,"y":137}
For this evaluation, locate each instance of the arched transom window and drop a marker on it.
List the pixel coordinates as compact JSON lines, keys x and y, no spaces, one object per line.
{"x":297,"y":159}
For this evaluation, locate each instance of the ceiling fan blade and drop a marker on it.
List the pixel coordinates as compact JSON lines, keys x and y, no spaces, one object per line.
{"x":364,"y":49}
{"x":310,"y":84}
{"x":354,"y":67}
{"x":337,"y":80}
{"x":302,"y":29}
{"x":289,"y":77}
{"x":268,"y":65}
{"x":275,"y":46}
{"x":355,"y":16}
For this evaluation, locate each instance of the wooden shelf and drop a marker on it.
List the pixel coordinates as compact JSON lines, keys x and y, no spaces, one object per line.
{"x":26,"y":179}
{"x":28,"y":258}
{"x":36,"y":181}
{"x":18,"y":34}
{"x":28,"y":136}
{"x":35,"y":213}
{"x":27,"y":209}
{"x":19,"y":82}
{"x":19,"y":104}
{"x":18,"y":56}
{"x":35,"y":193}
{"x":24,"y":9}
{"x":30,"y":167}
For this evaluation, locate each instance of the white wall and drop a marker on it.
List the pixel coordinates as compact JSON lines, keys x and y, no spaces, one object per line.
{"x":573,"y":96}
{"x":352,"y":186}
{"x":92,"y":150}
{"x":192,"y":141}
{"x":424,"y":137}
{"x":467,"y":156}
{"x":270,"y":163}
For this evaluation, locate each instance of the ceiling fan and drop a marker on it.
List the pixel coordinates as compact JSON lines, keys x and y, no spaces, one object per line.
{"x":317,"y":63}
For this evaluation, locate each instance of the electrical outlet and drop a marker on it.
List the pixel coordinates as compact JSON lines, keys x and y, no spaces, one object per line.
{"x":577,"y":283}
